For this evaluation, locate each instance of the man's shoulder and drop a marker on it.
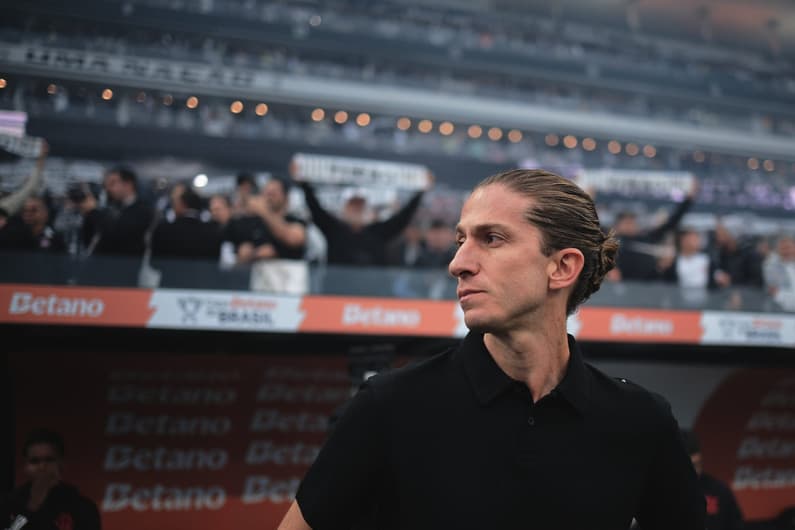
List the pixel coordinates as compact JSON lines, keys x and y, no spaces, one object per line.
{"x":622,"y":394}
{"x":417,"y":376}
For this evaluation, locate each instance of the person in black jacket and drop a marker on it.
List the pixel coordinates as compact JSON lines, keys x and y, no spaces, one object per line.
{"x":45,"y":501}
{"x":638,"y":257}
{"x":32,"y":230}
{"x":187,"y":244}
{"x":723,"y":512}
{"x":353,"y":239}
{"x":117,"y":230}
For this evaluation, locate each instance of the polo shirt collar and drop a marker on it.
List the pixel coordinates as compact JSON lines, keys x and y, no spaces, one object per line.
{"x":489,"y":381}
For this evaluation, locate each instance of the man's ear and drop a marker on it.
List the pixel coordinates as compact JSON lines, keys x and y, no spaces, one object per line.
{"x":565,"y":267}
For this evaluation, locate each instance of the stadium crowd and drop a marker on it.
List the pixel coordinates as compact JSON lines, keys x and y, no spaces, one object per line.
{"x":258,"y":222}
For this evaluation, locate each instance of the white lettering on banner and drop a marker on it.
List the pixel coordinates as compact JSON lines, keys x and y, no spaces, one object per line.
{"x":754,"y":447}
{"x":259,"y":488}
{"x":122,"y":457}
{"x":354,"y":314}
{"x":265,"y":452}
{"x":128,"y":423}
{"x":171,"y":395}
{"x":748,"y":477}
{"x":771,"y":421}
{"x":621,"y":324}
{"x":265,"y":420}
{"x":121,"y":496}
{"x":23,"y":303}
{"x":302,"y":394}
{"x":633,"y":181}
{"x":363,"y":172}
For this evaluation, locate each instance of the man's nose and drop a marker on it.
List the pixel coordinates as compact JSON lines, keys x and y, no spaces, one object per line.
{"x":463,"y":261}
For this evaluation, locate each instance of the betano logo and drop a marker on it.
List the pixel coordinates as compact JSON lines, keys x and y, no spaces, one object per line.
{"x":621,"y":324}
{"x":355,"y":314}
{"x":25,"y":303}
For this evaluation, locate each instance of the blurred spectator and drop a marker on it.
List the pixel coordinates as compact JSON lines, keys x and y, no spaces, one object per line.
{"x":723,"y":512}
{"x":220,"y":210}
{"x":32,"y":230}
{"x":118,"y":228}
{"x":288,"y":232}
{"x":737,"y":262}
{"x":13,"y":202}
{"x":406,"y":249}
{"x":221,"y":215}
{"x":439,"y":247}
{"x":187,"y":236}
{"x":114,"y":234}
{"x":779,"y":272}
{"x":266,"y":230}
{"x":638,"y":254}
{"x":691,"y":269}
{"x":245,"y":187}
{"x":45,"y":501}
{"x":4,"y":215}
{"x":354,"y":239}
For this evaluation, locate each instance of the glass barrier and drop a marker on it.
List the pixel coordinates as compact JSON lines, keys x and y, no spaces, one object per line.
{"x":299,"y":277}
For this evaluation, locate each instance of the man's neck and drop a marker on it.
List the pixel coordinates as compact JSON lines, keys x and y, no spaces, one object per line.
{"x":539,"y":359}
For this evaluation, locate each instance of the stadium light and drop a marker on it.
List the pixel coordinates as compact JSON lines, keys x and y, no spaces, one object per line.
{"x":495,"y":134}
{"x":261,"y":109}
{"x":340,"y":117}
{"x":200,"y":180}
{"x":475,"y":131}
{"x":515,"y":136}
{"x":403,"y":124}
{"x":236,"y":107}
{"x":614,"y":146}
{"x":3,"y":82}
{"x":570,"y":141}
{"x":192,"y":102}
{"x":446,"y":128}
{"x":753,"y":163}
{"x":363,"y":119}
{"x":552,"y":139}
{"x":107,"y":94}
{"x":52,"y":88}
{"x":318,"y":114}
{"x":425,"y":126}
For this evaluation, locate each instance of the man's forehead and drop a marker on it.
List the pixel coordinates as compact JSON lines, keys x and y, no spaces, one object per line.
{"x":494,"y":204}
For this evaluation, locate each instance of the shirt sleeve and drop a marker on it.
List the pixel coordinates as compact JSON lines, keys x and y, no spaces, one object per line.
{"x":340,"y":487}
{"x":672,"y":497}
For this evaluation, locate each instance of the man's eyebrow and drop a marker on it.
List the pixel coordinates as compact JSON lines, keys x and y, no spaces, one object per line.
{"x":485,"y":227}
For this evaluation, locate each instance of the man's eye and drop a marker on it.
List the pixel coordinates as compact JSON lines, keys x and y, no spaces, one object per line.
{"x":492,"y":238}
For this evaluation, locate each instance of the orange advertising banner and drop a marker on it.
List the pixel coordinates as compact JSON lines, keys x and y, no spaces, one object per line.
{"x":638,"y":325}
{"x":390,"y":316}
{"x":164,"y":442}
{"x":35,"y":304}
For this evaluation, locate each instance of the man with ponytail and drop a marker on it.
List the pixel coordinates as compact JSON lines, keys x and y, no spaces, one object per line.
{"x":511,"y":428}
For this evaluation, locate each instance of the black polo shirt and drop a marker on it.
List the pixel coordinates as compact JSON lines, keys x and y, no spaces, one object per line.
{"x":452,"y":442}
